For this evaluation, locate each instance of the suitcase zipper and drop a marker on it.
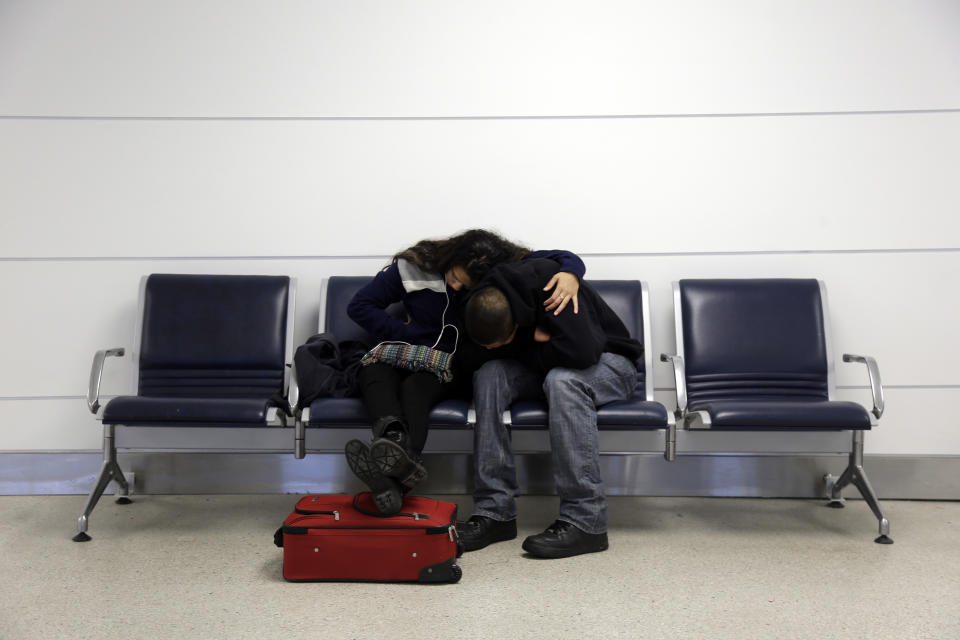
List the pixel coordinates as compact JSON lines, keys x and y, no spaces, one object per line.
{"x":336,"y":516}
{"x":307,"y":512}
{"x":450,"y":529}
{"x":414,"y":515}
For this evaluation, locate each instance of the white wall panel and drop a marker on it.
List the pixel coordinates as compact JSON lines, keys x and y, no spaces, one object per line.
{"x":48,"y":424}
{"x":915,"y":421}
{"x":464,"y":58}
{"x":215,"y":188}
{"x":888,"y":305}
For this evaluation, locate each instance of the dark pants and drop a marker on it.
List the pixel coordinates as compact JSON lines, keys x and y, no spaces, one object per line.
{"x":390,"y":392}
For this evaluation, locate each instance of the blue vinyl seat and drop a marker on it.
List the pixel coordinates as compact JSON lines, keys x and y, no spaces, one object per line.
{"x":633,"y":413}
{"x":349,"y":412}
{"x":210,"y":351}
{"x":755,"y":355}
{"x":630,"y":300}
{"x":784,"y":414}
{"x":180,"y":411}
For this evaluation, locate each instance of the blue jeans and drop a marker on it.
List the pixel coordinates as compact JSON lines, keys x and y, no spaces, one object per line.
{"x":573,"y":396}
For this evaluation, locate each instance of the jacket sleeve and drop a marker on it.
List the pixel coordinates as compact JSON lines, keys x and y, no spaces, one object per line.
{"x":368,"y":308}
{"x":576,"y":340}
{"x":569,"y":262}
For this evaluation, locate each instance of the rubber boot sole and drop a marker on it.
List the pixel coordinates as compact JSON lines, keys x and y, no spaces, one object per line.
{"x":550,"y":551}
{"x":393,"y":461}
{"x":385,"y":490}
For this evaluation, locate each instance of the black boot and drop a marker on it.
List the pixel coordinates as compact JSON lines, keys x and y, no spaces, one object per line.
{"x":480,"y":531}
{"x":562,"y":540}
{"x":386,"y":491}
{"x":392,"y":455}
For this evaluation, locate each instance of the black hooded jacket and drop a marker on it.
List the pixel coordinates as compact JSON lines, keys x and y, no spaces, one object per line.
{"x":576,"y":340}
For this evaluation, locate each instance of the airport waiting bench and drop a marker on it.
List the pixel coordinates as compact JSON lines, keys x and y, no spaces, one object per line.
{"x":752,"y":355}
{"x":209,"y":351}
{"x":756,"y":355}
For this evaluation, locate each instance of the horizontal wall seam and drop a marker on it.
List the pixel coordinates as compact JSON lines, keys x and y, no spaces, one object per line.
{"x":543,"y":452}
{"x":15,"y":398}
{"x":648,"y":254}
{"x":929,"y":387}
{"x":622,"y":116}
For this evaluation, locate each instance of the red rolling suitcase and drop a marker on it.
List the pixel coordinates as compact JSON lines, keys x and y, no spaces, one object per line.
{"x":345,"y":538}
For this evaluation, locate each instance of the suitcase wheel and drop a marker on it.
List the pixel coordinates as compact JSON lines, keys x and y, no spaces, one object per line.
{"x":448,"y":571}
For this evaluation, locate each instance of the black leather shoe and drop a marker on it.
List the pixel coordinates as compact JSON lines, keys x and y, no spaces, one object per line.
{"x":391,"y":456}
{"x":479,"y":531}
{"x":386,"y":491}
{"x":562,"y":540}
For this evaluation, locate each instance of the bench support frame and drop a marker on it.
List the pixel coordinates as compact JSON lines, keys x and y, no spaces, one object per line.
{"x":855,"y":475}
{"x":110,"y":471}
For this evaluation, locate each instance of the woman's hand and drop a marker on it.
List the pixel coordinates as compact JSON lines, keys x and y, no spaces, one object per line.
{"x":566,"y":287}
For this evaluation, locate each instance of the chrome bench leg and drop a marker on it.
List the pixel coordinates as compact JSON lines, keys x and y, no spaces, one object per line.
{"x":855,"y":475}
{"x":670,"y":447}
{"x":299,"y":440}
{"x":109,"y":471}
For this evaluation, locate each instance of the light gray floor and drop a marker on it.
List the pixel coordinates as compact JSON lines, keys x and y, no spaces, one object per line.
{"x":206,"y":567}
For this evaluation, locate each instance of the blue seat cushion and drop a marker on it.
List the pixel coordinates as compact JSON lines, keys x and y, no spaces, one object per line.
{"x":150,"y":411}
{"x":349,"y":412}
{"x":782,"y":414}
{"x":632,"y":413}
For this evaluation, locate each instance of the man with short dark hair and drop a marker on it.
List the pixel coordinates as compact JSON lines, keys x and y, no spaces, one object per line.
{"x":578,"y":361}
{"x":490,"y":321}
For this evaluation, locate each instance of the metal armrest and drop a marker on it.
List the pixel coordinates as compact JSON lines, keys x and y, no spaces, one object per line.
{"x":293,"y":390}
{"x":876,"y":387}
{"x":93,"y":391}
{"x":299,"y":432}
{"x":680,"y":377}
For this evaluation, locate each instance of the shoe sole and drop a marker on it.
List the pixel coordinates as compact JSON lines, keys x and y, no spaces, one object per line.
{"x":554,"y":552}
{"x":386,"y":494}
{"x":393,"y":461}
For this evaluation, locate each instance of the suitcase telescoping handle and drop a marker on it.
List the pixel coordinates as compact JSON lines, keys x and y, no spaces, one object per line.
{"x":376,"y":514}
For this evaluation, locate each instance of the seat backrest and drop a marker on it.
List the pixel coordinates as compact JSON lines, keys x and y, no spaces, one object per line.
{"x":743,"y":339}
{"x":630,"y":301}
{"x":337,"y":294}
{"x":215,"y":336}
